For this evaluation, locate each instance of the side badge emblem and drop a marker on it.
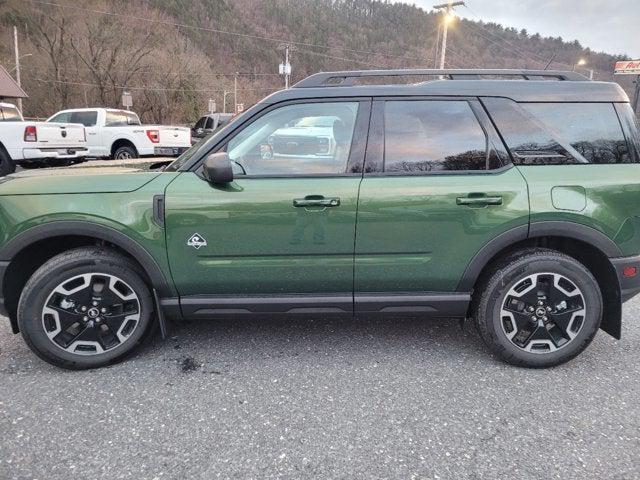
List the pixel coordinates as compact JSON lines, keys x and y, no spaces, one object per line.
{"x":197,"y":241}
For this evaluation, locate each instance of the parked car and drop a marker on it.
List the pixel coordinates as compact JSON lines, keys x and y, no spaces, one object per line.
{"x":119,"y":134}
{"x":30,"y":143}
{"x":209,"y":124}
{"x":515,"y":203}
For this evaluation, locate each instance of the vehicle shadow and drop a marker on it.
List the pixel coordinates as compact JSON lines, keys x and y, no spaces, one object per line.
{"x":319,"y":339}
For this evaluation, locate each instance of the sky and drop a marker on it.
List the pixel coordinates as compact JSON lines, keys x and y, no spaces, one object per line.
{"x":612,"y":26}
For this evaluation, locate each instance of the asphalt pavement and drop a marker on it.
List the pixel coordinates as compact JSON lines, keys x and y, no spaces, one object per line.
{"x":322,"y":398}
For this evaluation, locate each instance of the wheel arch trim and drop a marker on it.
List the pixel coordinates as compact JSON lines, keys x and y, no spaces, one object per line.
{"x":88,"y":229}
{"x":571,"y":230}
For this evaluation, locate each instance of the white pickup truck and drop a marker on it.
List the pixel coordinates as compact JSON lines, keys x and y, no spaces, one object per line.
{"x":37,"y":143}
{"x":119,"y":134}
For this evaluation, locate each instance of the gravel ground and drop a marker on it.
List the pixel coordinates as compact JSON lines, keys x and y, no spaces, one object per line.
{"x":323,"y":399}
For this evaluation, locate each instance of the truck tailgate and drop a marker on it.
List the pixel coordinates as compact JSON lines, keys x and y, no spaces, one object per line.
{"x":175,"y":137}
{"x":60,"y":134}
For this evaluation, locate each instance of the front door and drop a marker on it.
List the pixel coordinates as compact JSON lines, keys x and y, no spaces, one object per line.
{"x":438,"y":186}
{"x":280,"y":237}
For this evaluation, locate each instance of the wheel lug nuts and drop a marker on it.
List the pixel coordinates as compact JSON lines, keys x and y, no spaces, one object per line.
{"x":84,"y":309}
{"x":540,"y":302}
{"x":530,"y":309}
{"x":95,"y":303}
{"x":534,"y":319}
{"x":548,"y":309}
{"x":544,"y":319}
{"x":85,"y":318}
{"x":103,"y":310}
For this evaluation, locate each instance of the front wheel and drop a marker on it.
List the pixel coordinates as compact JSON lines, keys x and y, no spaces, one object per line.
{"x":85,"y":308}
{"x":538,"y":308}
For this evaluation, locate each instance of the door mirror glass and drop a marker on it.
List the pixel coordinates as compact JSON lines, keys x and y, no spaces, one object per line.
{"x":218,"y":169}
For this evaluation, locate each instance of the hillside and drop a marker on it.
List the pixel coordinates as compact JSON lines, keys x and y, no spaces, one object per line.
{"x":174,"y":55}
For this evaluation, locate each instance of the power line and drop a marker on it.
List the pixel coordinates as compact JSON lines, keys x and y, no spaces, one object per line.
{"x":141,"y":87}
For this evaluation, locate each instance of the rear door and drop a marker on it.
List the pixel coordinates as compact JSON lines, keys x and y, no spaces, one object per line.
{"x":280,"y":237}
{"x":438,"y":186}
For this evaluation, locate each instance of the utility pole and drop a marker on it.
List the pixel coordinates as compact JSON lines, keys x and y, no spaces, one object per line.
{"x":17,"y":53}
{"x":235,"y":93}
{"x":285,"y":68}
{"x":224,"y":100}
{"x":447,"y":9}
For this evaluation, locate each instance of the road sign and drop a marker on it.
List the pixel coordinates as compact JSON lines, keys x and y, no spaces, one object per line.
{"x":212,"y":105}
{"x":284,"y":69}
{"x":631,"y":67}
{"x":127,"y":100}
{"x":240,"y":108}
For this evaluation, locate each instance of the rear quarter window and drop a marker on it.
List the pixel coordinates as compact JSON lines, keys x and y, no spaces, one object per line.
{"x":561,"y":133}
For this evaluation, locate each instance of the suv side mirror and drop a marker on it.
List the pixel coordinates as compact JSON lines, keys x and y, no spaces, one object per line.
{"x":218,"y":169}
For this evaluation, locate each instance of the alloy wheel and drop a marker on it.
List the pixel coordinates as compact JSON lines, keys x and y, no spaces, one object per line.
{"x":542,"y":312}
{"x":91,"y":314}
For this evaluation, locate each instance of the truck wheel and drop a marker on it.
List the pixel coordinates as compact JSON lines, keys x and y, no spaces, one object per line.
{"x":85,"y":308}
{"x":6,"y":164}
{"x":538,"y":308}
{"x":125,"y":153}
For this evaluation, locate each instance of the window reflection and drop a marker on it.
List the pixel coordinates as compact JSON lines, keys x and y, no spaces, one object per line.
{"x":424,"y":136}
{"x":312,"y":138}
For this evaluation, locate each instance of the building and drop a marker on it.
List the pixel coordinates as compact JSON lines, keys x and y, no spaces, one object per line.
{"x":9,"y":89}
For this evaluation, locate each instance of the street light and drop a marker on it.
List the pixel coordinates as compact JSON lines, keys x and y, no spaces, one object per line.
{"x":581,"y":63}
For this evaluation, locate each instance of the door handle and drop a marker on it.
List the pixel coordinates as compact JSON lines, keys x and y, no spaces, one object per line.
{"x":479,"y":201}
{"x":316,"y":201}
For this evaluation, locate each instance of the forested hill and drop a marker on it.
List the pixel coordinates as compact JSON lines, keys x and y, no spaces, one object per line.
{"x":174,"y":55}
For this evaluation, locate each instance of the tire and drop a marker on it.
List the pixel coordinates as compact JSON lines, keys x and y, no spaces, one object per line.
{"x":61,"y":323}
{"x":6,"y":164}
{"x":126,"y":152}
{"x":566,"y":302}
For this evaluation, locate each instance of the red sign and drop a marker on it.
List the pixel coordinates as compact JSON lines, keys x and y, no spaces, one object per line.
{"x":631,"y":67}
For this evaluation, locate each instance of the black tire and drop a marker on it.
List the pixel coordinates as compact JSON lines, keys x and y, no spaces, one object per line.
{"x":126,"y":152}
{"x":91,"y":263}
{"x":498,"y":295}
{"x":6,"y":164}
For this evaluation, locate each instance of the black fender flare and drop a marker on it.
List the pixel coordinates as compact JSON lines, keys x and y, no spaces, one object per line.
{"x":575,"y":231}
{"x":93,"y":230}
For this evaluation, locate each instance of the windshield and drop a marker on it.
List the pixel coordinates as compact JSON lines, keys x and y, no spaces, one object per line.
{"x":10,"y":114}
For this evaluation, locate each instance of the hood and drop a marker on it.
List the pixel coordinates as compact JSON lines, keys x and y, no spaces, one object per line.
{"x":75,"y":180}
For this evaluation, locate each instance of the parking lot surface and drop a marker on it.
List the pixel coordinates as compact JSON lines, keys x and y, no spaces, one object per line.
{"x":323,"y":399}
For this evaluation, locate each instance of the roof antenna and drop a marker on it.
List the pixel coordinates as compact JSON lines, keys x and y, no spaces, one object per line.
{"x":553,"y":57}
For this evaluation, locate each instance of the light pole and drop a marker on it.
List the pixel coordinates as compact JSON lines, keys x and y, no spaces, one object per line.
{"x":448,"y":17}
{"x":581,"y":63}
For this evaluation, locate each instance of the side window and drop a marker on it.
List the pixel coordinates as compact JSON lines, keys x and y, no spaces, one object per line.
{"x":300,"y":139}
{"x":64,"y":117}
{"x":200,"y":123}
{"x":115,"y":119}
{"x":560,"y":133}
{"x":433,"y":135}
{"x":209,"y":123}
{"x":592,"y":129}
{"x":88,"y":119}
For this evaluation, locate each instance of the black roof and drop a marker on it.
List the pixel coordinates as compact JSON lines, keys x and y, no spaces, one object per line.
{"x":524,"y":86}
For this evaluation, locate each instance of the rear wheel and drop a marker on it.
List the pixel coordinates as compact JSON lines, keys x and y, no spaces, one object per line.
{"x":538,"y":308}
{"x":126,"y":152}
{"x":85,"y":308}
{"x":6,"y":164}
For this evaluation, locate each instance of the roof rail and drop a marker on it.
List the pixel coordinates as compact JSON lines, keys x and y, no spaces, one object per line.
{"x":348,"y":78}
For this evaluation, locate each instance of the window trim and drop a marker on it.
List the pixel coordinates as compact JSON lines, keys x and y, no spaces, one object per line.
{"x":358,"y":140}
{"x":376,"y":150}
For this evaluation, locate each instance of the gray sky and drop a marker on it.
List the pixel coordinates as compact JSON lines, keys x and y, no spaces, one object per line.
{"x":612,"y":26}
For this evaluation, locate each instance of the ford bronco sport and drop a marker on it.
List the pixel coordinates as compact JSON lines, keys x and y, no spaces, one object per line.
{"x":510,"y":197}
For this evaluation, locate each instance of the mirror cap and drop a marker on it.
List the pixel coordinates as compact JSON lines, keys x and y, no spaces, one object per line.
{"x":218,"y":169}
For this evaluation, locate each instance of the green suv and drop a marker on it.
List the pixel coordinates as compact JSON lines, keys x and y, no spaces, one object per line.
{"x":510,"y":197}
